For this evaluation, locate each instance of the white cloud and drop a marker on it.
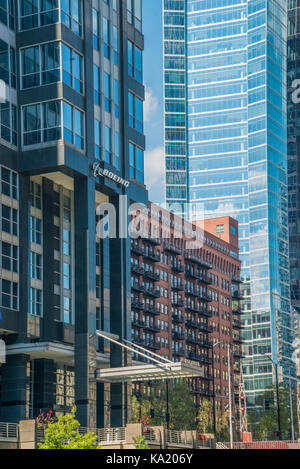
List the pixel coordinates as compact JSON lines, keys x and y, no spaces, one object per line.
{"x":155,"y":174}
{"x":150,"y":104}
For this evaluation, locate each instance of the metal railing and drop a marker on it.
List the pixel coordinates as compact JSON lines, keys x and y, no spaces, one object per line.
{"x":104,"y":435}
{"x":182,"y":438}
{"x":9,"y":431}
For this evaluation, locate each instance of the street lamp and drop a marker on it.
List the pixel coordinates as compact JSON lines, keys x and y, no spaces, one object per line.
{"x":275,"y":364}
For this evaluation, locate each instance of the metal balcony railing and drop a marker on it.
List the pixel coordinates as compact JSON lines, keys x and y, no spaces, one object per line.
{"x":9,"y":431}
{"x":104,"y":435}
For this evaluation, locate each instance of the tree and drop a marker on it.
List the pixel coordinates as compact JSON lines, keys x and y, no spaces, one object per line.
{"x":140,"y":442}
{"x":64,"y":434}
{"x":263,"y":418}
{"x":204,"y":417}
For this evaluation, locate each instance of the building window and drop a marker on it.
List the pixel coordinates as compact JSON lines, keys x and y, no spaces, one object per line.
{"x":97,"y":127}
{"x":97,"y":86}
{"x":35,"y":195}
{"x":9,"y":219}
{"x":36,"y":302}
{"x":116,"y":89}
{"x":7,"y":13}
{"x":116,"y":45}
{"x":220,"y":229}
{"x":7,"y":64}
{"x":37,"y":13}
{"x":107,"y":144}
{"x":107,"y":92}
{"x":50,"y":63}
{"x":9,"y":259}
{"x":135,"y":107}
{"x":36,"y":266}
{"x":9,"y":294}
{"x":135,"y":62}
{"x":136,"y":163}
{"x":96,"y":32}
{"x":106,"y":38}
{"x":134,"y":13}
{"x":72,"y":68}
{"x":42,"y":123}
{"x":8,"y":122}
{"x":9,"y":183}
{"x":35,"y":230}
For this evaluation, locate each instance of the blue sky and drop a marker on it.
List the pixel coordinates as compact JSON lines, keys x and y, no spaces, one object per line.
{"x":153,"y":108}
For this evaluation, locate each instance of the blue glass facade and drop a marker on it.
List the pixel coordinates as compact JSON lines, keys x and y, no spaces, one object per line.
{"x":226,"y":148}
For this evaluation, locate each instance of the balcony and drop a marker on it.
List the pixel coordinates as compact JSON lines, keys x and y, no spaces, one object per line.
{"x":237,"y":311}
{"x":153,"y":345}
{"x":237,"y":324}
{"x":177,"y":302}
{"x":136,"y":250}
{"x":177,"y":335}
{"x":177,"y":268}
{"x":236,"y":280}
{"x":237,"y":339}
{"x":151,"y":327}
{"x":191,"y":340}
{"x":191,"y":293}
{"x":151,"y":276}
{"x":172,"y":248}
{"x":236,"y":296}
{"x":152,"y":292}
{"x":177,"y":319}
{"x":137,"y":287}
{"x":238,"y":353}
{"x":199,"y":358}
{"x":151,"y":256}
{"x":204,"y":328}
{"x":205,"y":312}
{"x":137,"y":305}
{"x":154,"y":241}
{"x":204,"y":297}
{"x":205,"y":344}
{"x":138,"y":323}
{"x":151,"y":310}
{"x":191,"y":323}
{"x":205,"y":280}
{"x":137,"y":270}
{"x":177,"y":287}
{"x":197,"y":260}
{"x":178,"y":353}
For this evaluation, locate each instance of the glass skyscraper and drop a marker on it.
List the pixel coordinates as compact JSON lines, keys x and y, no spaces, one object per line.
{"x":226,"y":149}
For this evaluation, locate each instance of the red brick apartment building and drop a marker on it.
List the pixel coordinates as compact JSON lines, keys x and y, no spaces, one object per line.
{"x":185,"y":295}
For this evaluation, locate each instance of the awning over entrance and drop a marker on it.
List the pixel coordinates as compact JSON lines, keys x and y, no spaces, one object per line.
{"x":162,"y":368}
{"x":147,"y":372}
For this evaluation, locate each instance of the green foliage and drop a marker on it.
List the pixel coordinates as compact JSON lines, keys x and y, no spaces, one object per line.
{"x":263,"y":418}
{"x":182,"y":407}
{"x":140,"y":442}
{"x":205,"y":421}
{"x":204,"y":417}
{"x":64,"y":434}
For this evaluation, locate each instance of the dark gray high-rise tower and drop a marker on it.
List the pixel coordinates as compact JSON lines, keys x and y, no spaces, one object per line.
{"x":73,"y":95}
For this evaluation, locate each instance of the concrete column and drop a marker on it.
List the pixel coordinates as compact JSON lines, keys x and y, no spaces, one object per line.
{"x":85,"y":300}
{"x":27,"y":434}
{"x":15,"y":385}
